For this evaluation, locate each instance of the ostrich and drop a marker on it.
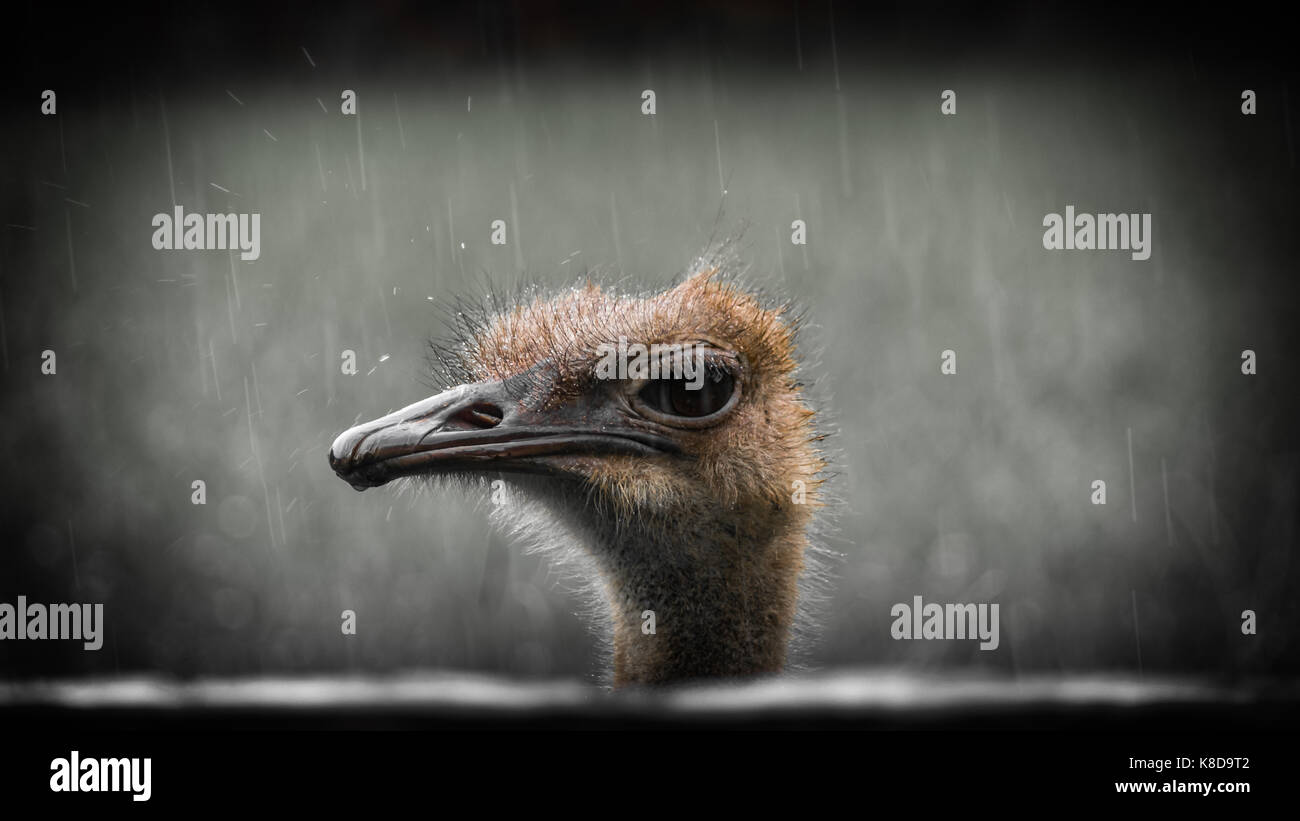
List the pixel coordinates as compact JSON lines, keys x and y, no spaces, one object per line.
{"x":689,"y":503}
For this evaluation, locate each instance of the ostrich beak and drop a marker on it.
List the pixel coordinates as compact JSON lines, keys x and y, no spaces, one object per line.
{"x":482,"y":427}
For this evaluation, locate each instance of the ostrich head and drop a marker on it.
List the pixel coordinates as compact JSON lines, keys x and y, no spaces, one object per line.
{"x":687,"y":480}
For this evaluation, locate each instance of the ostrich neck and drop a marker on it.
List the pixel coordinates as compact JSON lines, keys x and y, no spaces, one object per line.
{"x":715,"y":599}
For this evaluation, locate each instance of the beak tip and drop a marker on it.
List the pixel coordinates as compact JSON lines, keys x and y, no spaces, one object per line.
{"x":341,"y":466}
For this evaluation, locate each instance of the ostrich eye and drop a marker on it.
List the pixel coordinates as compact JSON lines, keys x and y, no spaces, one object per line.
{"x":691,"y":399}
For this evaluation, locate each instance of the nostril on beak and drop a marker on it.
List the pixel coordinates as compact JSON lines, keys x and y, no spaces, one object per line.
{"x":480,"y":415}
